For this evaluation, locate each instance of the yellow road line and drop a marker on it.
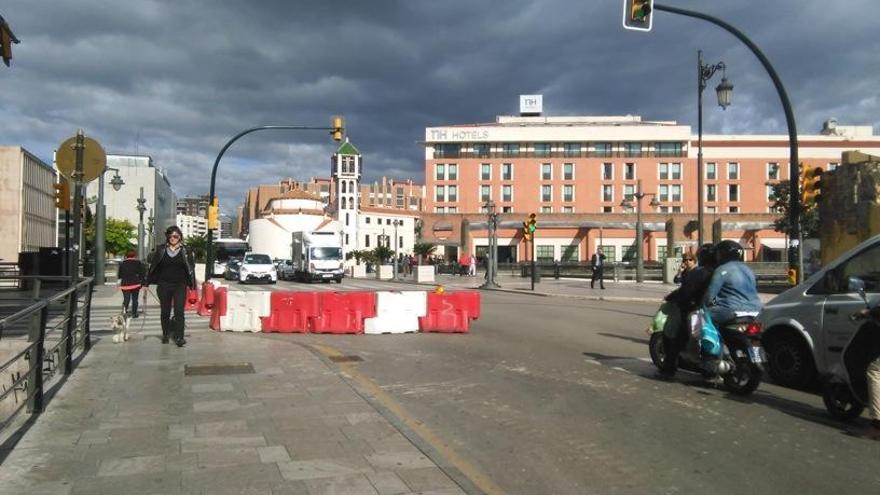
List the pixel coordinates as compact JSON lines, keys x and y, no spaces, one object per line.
{"x":472,"y":472}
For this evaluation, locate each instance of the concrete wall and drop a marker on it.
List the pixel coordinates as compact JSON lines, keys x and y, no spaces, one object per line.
{"x":27,"y":207}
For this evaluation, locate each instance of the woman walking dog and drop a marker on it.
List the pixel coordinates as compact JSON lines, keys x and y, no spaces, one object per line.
{"x":172,"y":270}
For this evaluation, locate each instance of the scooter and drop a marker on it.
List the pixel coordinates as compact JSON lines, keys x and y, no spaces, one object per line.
{"x":845,"y":387}
{"x":739,"y":365}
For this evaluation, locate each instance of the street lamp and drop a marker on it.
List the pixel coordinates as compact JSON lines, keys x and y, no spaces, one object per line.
{"x":626,"y":203}
{"x":396,"y":223}
{"x":101,"y":221}
{"x":492,"y":255}
{"x":724,"y":91}
{"x":141,"y":208}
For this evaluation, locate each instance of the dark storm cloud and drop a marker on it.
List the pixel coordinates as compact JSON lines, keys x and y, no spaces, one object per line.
{"x":177,"y":79}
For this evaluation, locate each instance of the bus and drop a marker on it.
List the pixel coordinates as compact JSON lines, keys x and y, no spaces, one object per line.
{"x":226,"y":249}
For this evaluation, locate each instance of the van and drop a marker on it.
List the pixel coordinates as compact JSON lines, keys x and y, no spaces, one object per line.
{"x":805,"y":328}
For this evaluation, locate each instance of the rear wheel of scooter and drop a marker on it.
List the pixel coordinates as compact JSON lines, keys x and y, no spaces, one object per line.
{"x":656,"y":349}
{"x":840,"y":402}
{"x":745,"y":376}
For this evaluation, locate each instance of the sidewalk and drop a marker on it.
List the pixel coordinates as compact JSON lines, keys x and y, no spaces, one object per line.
{"x":574,"y":288}
{"x":131,"y":420}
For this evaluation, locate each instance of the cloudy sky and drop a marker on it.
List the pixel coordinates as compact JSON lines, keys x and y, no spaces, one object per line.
{"x":176,"y":79}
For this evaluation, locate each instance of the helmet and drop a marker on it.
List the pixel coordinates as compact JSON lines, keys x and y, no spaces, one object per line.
{"x":706,"y":254}
{"x":728,"y":251}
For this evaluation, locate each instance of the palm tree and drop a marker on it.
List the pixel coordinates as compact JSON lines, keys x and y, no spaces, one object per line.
{"x":424,"y":249}
{"x":382,"y":253}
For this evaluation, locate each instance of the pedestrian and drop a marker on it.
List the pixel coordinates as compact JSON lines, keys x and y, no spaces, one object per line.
{"x":463,"y":262}
{"x":172,"y":270}
{"x":597,"y":263}
{"x":688,"y":263}
{"x":131,"y":277}
{"x":472,"y":265}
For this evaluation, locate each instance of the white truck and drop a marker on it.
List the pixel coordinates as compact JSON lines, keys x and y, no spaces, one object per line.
{"x":316,"y":256}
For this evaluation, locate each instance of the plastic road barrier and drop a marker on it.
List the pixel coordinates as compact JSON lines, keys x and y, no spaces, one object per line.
{"x":192,"y":300}
{"x":344,"y":312}
{"x":218,"y":310}
{"x":291,"y":312}
{"x":450,"y":312}
{"x":207,"y":299}
{"x":396,"y":312}
{"x":243,"y":311}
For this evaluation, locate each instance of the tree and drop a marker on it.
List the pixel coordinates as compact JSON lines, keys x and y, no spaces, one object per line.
{"x":382,"y":253}
{"x":198,"y":245}
{"x":118,"y":235}
{"x":809,"y":213}
{"x":424,"y":249}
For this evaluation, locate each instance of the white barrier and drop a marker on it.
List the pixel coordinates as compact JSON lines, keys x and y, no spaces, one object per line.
{"x":397,"y":312}
{"x":244,"y":309}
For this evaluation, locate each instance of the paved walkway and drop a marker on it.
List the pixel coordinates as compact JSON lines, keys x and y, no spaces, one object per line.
{"x":131,"y":421}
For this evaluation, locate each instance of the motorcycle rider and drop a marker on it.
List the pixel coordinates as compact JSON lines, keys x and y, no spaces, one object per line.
{"x":687,"y":298}
{"x":732,"y":291}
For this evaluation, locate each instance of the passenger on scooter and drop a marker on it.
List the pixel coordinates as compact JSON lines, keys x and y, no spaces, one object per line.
{"x":687,"y":298}
{"x":732,"y":291}
{"x":873,"y":376}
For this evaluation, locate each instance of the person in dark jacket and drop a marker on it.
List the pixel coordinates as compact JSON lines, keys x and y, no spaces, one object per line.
{"x":172,"y":270}
{"x":597,"y":263}
{"x":132,"y":277}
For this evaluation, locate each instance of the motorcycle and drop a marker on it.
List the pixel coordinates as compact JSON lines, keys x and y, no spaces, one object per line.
{"x":740,"y":363}
{"x":845,"y":387}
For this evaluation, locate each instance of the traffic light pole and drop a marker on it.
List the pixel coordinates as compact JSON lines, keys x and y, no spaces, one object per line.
{"x":209,"y":262}
{"x":794,"y":209}
{"x":74,"y":254}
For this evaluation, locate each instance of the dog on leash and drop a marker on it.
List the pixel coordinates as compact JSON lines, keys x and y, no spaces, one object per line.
{"x":119,"y":324}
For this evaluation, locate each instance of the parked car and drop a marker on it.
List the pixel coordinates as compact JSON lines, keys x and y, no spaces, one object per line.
{"x":285,"y":270}
{"x":231,"y":272}
{"x":257,"y":267}
{"x":804,"y":324}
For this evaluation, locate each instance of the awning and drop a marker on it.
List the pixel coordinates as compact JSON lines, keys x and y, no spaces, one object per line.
{"x":774,"y":243}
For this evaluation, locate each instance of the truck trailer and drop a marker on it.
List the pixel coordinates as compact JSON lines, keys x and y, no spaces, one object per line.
{"x":316,"y":256}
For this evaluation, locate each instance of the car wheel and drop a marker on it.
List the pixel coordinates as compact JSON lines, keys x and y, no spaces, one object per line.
{"x":790,"y":362}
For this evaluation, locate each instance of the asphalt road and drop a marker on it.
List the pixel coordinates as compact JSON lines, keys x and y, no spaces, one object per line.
{"x":557,"y":396}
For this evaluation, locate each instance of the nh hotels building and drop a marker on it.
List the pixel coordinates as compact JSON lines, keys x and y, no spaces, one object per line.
{"x":576,"y":172}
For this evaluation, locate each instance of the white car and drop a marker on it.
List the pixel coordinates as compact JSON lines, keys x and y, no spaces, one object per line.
{"x":257,"y":267}
{"x":805,"y":329}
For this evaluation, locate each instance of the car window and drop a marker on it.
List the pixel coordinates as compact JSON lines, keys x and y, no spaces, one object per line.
{"x":864,"y":265}
{"x":257,"y":259}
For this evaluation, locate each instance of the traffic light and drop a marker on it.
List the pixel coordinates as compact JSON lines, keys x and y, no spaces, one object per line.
{"x":530,"y":226}
{"x":213,"y":214}
{"x":792,"y":276}
{"x":6,"y":41}
{"x":811,"y":185}
{"x":637,"y":14}
{"x":338,"y":128}
{"x":527,"y":235}
{"x":62,"y":194}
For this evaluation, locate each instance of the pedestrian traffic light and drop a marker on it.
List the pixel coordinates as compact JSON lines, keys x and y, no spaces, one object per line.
{"x":637,"y":14}
{"x":338,"y":128}
{"x":6,"y":41}
{"x":213,"y":214}
{"x":62,"y":194}
{"x":811,"y":186}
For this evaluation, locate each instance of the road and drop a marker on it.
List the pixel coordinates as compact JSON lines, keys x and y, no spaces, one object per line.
{"x":553,"y":395}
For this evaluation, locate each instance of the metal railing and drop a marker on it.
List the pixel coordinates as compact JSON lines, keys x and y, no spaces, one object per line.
{"x":42,"y":338}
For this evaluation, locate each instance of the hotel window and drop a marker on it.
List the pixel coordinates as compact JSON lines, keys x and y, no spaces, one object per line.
{"x":544,"y":253}
{"x":506,"y":171}
{"x":607,"y":209}
{"x":485,"y":193}
{"x":664,"y":171}
{"x":570,"y":253}
{"x":711,"y":209}
{"x":440,"y":171}
{"x":608,"y":193}
{"x":663,"y":193}
{"x":733,"y":209}
{"x":506,"y":193}
{"x":676,"y":209}
{"x":572,"y":149}
{"x":770,"y":196}
{"x":546,"y":193}
{"x":568,"y":171}
{"x":711,"y":171}
{"x":632,"y":149}
{"x":607,"y":171}
{"x":510,"y":149}
{"x":676,"y":192}
{"x":772,"y":171}
{"x":453,"y":209}
{"x":675,"y":169}
{"x":439,"y":194}
{"x":568,"y":193}
{"x":506,"y":209}
{"x":486,"y":171}
{"x":542,"y":149}
{"x":733,"y":193}
{"x":629,"y":171}
{"x":628,"y":191}
{"x":733,"y":171}
{"x":667,"y":149}
{"x":481,"y":150}
{"x":447,"y":150}
{"x":568,"y":209}
{"x":711,"y":192}
{"x":546,"y":171}
{"x":439,"y":209}
{"x":602,"y":149}
{"x":452,"y":194}
{"x":546,"y":209}
{"x":452,"y":172}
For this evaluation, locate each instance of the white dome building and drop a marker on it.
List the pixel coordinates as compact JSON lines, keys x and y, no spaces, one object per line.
{"x":294,"y":211}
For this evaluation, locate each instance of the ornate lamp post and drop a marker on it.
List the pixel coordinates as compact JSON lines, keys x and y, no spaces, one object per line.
{"x":724,"y":90}
{"x":101,"y":221}
{"x":492,"y":255}
{"x":396,"y":223}
{"x":141,"y":208}
{"x":626,"y":203}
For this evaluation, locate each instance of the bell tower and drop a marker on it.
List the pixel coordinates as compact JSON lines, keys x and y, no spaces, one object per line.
{"x":345,"y":170}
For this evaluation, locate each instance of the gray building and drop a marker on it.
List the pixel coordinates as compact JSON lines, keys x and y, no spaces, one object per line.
{"x":27,"y":203}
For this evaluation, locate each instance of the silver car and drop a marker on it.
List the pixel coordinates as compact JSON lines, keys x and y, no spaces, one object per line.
{"x":805,"y":328}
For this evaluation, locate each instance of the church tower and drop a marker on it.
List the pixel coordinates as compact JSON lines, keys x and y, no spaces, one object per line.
{"x":345,"y":170}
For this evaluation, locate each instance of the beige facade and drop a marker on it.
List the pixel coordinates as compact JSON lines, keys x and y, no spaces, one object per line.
{"x":27,"y":207}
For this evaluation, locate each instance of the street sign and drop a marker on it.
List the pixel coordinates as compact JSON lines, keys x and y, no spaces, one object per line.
{"x":94,"y":159}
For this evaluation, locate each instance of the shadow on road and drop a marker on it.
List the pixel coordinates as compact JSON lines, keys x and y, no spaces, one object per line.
{"x":624,"y":337}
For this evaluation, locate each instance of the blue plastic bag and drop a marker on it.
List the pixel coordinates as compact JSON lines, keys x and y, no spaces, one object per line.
{"x":710,"y":339}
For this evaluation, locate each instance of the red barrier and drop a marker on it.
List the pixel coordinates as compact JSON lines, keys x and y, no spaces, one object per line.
{"x":192,"y":300}
{"x":344,"y":312}
{"x":207,"y":299}
{"x":291,"y":312}
{"x":219,"y":308}
{"x":450,"y":312}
